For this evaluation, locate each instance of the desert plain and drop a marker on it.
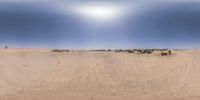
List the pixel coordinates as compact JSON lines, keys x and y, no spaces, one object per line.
{"x":39,"y":74}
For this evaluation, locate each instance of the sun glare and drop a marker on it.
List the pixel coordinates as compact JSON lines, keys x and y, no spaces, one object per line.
{"x":99,"y":12}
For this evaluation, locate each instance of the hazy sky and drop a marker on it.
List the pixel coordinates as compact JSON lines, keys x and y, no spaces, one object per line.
{"x":90,"y":24}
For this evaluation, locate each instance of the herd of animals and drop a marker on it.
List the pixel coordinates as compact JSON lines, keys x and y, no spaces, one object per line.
{"x":163,"y":52}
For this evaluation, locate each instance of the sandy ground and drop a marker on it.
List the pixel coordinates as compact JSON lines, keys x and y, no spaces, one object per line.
{"x":27,"y":74}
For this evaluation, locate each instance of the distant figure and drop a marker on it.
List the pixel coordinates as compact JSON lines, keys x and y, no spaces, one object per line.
{"x":6,"y":47}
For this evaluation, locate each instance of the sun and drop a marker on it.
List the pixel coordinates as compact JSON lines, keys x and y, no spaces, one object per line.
{"x":98,"y":12}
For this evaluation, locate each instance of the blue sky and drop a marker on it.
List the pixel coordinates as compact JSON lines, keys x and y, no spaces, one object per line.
{"x":100,"y":24}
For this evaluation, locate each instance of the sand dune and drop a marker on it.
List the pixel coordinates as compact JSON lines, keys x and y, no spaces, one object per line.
{"x":39,"y":74}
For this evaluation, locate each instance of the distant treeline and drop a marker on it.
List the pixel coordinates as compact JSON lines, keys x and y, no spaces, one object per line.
{"x":60,"y":50}
{"x":164,"y":52}
{"x":130,"y":50}
{"x":102,"y":50}
{"x":138,"y":51}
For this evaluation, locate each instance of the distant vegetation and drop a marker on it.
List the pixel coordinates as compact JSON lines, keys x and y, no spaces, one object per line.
{"x":60,"y":50}
{"x":141,"y":51}
{"x":163,"y":52}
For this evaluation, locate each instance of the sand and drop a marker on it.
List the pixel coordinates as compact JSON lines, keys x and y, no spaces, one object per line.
{"x":39,"y":74}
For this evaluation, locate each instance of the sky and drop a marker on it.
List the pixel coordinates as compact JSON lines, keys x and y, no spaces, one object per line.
{"x":103,"y":24}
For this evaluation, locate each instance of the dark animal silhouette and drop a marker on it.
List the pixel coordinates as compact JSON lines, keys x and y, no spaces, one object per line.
{"x":163,"y":53}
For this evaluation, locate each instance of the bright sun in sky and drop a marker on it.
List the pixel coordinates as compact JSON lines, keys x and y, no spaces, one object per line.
{"x":98,"y":12}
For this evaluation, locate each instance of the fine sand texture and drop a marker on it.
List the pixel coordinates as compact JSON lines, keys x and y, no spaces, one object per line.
{"x":39,"y":74}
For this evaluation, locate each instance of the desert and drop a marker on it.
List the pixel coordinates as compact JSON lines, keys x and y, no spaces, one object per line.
{"x":40,"y":74}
